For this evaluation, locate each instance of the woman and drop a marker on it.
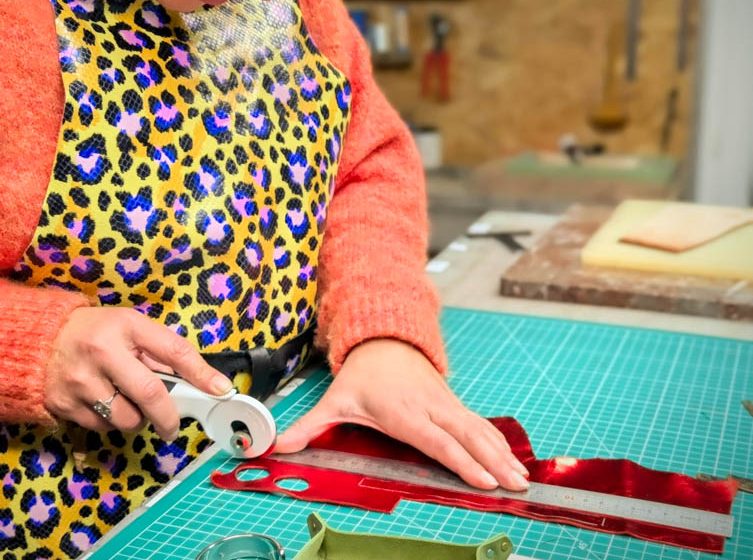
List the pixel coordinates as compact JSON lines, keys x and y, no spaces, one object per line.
{"x":180,"y":208}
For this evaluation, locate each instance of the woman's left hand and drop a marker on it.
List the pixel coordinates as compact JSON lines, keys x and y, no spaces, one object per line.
{"x":391,"y":386}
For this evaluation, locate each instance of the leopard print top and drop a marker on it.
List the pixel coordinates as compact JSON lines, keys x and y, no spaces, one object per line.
{"x":195,"y":162}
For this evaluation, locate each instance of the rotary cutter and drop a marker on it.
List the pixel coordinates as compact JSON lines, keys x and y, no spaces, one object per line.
{"x":239,"y":424}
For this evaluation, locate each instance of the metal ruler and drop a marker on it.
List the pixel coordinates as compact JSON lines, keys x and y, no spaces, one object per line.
{"x":607,"y":505}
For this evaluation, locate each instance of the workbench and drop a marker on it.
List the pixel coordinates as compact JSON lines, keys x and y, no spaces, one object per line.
{"x":468,"y":272}
{"x":467,"y":276}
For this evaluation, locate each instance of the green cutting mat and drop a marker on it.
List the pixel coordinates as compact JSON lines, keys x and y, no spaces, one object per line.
{"x":669,"y":401}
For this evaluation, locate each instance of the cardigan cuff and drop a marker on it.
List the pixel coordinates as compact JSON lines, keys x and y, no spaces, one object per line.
{"x":32,"y":318}
{"x":407,"y":316}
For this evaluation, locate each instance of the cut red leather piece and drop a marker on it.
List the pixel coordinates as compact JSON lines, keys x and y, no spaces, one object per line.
{"x":610,"y":476}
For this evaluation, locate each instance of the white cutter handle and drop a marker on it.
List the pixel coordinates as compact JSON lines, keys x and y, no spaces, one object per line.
{"x":240,"y":424}
{"x":190,"y":401}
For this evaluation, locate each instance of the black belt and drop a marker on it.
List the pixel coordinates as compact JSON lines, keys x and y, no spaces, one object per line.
{"x":267,"y":367}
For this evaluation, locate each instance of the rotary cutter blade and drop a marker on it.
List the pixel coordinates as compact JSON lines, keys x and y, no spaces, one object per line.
{"x":240,"y":424}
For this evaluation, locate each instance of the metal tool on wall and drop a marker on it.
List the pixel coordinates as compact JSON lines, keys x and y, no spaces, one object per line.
{"x":611,"y":114}
{"x":683,"y":29}
{"x":670,"y":116}
{"x":632,"y":36}
{"x":435,"y":75}
{"x":681,"y":62}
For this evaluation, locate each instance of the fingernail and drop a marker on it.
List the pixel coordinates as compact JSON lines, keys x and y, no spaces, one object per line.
{"x":221,"y":384}
{"x":173,"y":437}
{"x":489,"y":480}
{"x":520,"y":481}
{"x":520,"y":468}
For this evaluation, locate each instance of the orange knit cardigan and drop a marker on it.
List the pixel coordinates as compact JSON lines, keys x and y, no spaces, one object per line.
{"x":372,"y":283}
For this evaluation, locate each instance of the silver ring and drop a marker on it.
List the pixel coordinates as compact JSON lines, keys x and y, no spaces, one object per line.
{"x":104,"y":408}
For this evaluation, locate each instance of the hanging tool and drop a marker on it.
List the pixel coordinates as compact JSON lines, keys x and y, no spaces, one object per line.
{"x":239,"y":424}
{"x":611,"y":114}
{"x":670,"y":115}
{"x":683,"y":27}
{"x":632,"y":35}
{"x":435,"y":76}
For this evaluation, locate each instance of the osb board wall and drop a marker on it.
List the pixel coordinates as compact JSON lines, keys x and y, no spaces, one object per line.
{"x":524,"y":72}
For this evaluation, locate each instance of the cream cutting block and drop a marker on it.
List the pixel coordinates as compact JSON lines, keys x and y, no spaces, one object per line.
{"x":727,"y":255}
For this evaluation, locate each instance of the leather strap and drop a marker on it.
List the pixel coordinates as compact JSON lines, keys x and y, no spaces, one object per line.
{"x":267,"y":367}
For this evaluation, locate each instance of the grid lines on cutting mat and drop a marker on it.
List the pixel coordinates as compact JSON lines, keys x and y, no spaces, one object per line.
{"x":667,"y":400}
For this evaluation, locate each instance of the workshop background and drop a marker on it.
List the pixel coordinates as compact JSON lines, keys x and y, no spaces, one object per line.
{"x":653,"y":92}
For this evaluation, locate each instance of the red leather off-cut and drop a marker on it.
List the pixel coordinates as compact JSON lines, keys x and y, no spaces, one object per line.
{"x":610,"y":476}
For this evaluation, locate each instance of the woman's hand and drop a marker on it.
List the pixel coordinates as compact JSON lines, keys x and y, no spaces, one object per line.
{"x":390,"y":386}
{"x":101,"y":349}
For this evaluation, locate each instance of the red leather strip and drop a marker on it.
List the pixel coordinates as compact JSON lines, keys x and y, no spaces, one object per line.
{"x":610,"y":476}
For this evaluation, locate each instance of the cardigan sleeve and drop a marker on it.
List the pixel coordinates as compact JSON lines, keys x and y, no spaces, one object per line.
{"x":371,"y":269}
{"x":30,"y":105}
{"x":31,"y":319}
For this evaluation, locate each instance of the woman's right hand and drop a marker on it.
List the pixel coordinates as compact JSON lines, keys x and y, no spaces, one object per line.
{"x":101,"y":349}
